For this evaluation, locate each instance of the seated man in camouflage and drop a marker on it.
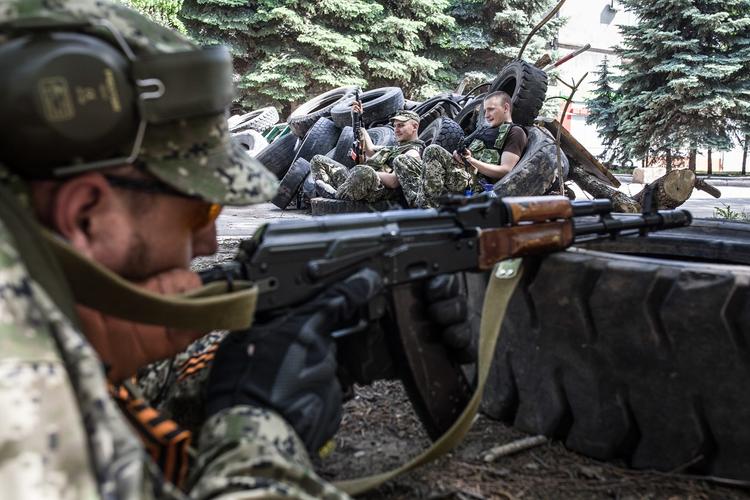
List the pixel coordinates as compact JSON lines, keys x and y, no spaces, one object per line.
{"x":384,"y":169}
{"x":490,"y":156}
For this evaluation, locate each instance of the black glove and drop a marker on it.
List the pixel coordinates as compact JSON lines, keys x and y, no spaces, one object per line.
{"x":288,"y":364}
{"x":447,"y":308}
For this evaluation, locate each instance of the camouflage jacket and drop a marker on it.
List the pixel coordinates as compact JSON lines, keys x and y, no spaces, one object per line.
{"x":64,"y":437}
{"x":382,"y":159}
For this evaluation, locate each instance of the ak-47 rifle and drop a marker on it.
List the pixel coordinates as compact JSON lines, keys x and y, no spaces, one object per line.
{"x":292,"y":261}
{"x":357,"y":151}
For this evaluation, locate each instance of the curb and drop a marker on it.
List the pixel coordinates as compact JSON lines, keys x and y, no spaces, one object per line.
{"x":713,"y":180}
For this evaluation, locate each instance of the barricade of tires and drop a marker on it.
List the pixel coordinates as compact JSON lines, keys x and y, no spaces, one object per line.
{"x":323,"y":126}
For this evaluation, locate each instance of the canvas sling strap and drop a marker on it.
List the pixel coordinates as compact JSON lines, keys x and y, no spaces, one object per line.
{"x":503,"y":281}
{"x":211,"y":307}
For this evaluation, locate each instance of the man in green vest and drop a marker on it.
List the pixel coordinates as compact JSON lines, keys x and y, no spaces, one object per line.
{"x":492,"y":153}
{"x":384,"y":169}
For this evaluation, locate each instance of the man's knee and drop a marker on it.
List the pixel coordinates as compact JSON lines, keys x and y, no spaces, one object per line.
{"x":436,"y":153}
{"x":362,"y":181}
{"x":405,"y":164}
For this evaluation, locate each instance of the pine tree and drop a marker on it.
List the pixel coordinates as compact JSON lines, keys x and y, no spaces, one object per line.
{"x":685,"y":67}
{"x":490,"y":33}
{"x":603,"y":113}
{"x":289,"y":50}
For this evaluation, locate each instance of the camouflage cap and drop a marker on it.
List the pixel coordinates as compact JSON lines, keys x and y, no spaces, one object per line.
{"x":405,"y":115}
{"x":196,"y":156}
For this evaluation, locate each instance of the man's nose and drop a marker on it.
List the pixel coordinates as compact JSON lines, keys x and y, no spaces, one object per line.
{"x":204,"y":241}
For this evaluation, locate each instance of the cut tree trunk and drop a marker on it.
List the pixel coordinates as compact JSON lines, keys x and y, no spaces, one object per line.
{"x":620,"y":201}
{"x":744,"y":154}
{"x":671,"y":190}
{"x":710,"y":163}
{"x":693,"y":159}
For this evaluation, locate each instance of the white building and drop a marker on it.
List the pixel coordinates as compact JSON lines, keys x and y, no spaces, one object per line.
{"x":596,"y":22}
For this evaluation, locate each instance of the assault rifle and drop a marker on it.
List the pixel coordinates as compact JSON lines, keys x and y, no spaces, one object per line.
{"x":292,"y":261}
{"x":357,"y":151}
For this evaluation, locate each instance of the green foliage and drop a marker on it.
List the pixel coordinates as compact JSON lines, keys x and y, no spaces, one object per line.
{"x":726,"y":212}
{"x":684,"y":80}
{"x":603,"y":113}
{"x":163,"y":12}
{"x":287,"y":51}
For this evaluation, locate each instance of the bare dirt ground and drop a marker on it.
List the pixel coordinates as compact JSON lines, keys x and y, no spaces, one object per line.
{"x":380,"y":431}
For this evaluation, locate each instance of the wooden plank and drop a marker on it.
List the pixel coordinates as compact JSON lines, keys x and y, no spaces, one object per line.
{"x":579,"y":154}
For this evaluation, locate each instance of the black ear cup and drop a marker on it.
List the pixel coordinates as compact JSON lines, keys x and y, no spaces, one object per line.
{"x":65,"y":98}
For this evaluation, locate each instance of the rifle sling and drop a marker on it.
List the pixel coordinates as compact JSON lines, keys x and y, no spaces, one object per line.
{"x":211,"y":307}
{"x":500,"y":288}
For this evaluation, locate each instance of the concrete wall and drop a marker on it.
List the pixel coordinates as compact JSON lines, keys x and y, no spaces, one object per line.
{"x":596,"y":22}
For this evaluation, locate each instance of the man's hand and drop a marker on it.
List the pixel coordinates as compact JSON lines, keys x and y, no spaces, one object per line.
{"x":448,"y":309}
{"x":357,"y":107}
{"x":464,"y":159}
{"x":288,"y":363}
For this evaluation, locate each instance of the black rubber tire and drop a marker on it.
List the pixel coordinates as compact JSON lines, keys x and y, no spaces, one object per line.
{"x":291,"y":183}
{"x":527,"y":86}
{"x":635,"y":358}
{"x":377,"y":104}
{"x":471,"y":115}
{"x":343,"y":147}
{"x":538,"y":162}
{"x":320,"y":139}
{"x":251,"y":141}
{"x":327,"y":206}
{"x":305,"y":116}
{"x":382,"y":136}
{"x":259,"y":120}
{"x":411,"y":105}
{"x":278,"y":156}
{"x":445,"y":133}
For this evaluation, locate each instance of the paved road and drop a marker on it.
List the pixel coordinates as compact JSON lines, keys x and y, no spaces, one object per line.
{"x":236,"y":223}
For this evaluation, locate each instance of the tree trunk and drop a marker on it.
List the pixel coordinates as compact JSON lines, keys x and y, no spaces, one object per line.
{"x":710,"y":164}
{"x":744,"y":154}
{"x":589,"y":183}
{"x":669,"y":160}
{"x":671,"y":190}
{"x":693,"y":159}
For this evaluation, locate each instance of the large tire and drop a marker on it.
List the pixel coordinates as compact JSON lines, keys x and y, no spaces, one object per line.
{"x":633,"y":358}
{"x":377,"y":104}
{"x":310,"y":112}
{"x":527,"y":86}
{"x":445,"y":133}
{"x":291,"y":183}
{"x":259,"y":120}
{"x":278,"y":156}
{"x":251,"y":141}
{"x":536,"y":171}
{"x":382,"y":136}
{"x":343,"y":147}
{"x":471,"y":116}
{"x":320,"y":139}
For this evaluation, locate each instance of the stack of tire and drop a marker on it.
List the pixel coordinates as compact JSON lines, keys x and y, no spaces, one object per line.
{"x":248,"y":128}
{"x":323,"y":126}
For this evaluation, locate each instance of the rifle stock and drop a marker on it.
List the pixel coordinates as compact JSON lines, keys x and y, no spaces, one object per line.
{"x":292,"y":261}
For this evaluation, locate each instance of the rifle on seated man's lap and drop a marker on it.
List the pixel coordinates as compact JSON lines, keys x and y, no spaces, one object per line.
{"x":292,"y":261}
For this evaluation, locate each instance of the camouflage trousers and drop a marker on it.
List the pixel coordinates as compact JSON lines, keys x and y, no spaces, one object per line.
{"x":424,"y":181}
{"x":360,"y":183}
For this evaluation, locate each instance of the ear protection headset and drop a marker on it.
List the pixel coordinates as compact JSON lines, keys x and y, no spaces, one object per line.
{"x":71,"y":101}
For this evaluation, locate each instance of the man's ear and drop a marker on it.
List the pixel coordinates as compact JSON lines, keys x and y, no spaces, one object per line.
{"x":77,"y":202}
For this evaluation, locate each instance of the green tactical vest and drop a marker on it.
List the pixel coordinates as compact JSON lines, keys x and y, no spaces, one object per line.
{"x":382,"y":160}
{"x":491,"y":154}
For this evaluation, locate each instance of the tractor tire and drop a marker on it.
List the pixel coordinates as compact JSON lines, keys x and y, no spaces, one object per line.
{"x":382,"y":136}
{"x":259,"y":120}
{"x":310,"y":112}
{"x":291,"y":183}
{"x":470,"y":116}
{"x":343,"y":148}
{"x":633,"y":358}
{"x":377,"y":104}
{"x":445,"y":133}
{"x":278,"y":156}
{"x":527,"y":86}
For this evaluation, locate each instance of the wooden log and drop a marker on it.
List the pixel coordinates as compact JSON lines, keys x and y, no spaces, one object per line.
{"x":543,"y":61}
{"x":672,"y":190}
{"x":708,"y":188}
{"x":598,"y":189}
{"x":576,"y":151}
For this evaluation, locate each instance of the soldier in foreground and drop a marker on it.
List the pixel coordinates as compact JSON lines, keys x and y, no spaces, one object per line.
{"x":490,"y":156}
{"x":132,"y":176}
{"x":385,"y":170}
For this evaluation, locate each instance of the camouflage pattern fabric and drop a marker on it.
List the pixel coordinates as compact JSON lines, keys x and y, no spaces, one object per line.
{"x":360,"y":183}
{"x":196,"y":156}
{"x":382,"y":159}
{"x":424,"y":182}
{"x":328,"y":170}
